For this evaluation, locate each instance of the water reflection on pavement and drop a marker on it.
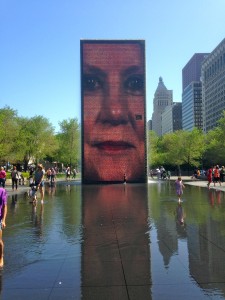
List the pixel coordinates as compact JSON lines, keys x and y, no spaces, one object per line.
{"x":125,"y":241}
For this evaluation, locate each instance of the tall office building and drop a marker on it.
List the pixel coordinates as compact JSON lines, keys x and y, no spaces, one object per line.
{"x":162,"y":98}
{"x":192,"y":93}
{"x":172,"y":118}
{"x":192,"y":106}
{"x":213,"y":87}
{"x":192,"y":70}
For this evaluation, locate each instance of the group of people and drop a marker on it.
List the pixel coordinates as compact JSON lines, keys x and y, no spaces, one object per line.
{"x":215,"y":174}
{"x":50,"y":175}
{"x":69,"y":173}
{"x":16,"y":177}
{"x":161,"y":173}
{"x":38,"y":181}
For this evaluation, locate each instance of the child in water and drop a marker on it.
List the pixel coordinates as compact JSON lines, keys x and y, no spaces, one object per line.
{"x":179,"y":187}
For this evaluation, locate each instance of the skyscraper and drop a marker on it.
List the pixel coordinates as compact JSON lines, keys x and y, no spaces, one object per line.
{"x":213,"y":86}
{"x":192,"y":70}
{"x":162,"y":98}
{"x":172,"y":118}
{"x":192,"y":93}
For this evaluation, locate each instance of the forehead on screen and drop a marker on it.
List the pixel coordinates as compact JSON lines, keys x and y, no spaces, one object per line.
{"x":113,"y":53}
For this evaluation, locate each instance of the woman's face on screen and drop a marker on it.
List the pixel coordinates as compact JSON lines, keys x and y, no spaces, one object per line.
{"x":113,"y":84}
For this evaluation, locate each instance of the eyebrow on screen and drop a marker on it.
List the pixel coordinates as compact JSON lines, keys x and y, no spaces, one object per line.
{"x":94,"y":70}
{"x":100,"y":72}
{"x":132,"y":69}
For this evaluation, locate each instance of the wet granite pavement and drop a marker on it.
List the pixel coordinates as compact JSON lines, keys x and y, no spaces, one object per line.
{"x":115,"y":242}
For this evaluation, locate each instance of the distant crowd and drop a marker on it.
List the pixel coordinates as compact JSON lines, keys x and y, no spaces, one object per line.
{"x":17,"y":177}
{"x":160,"y":173}
{"x":215,"y":174}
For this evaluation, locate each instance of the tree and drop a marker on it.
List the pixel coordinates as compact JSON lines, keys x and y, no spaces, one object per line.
{"x":36,"y":139}
{"x":69,"y":142}
{"x":183,"y":147}
{"x":155,"y":156}
{"x":8,"y":133}
{"x":171,"y":149}
{"x":215,"y":143}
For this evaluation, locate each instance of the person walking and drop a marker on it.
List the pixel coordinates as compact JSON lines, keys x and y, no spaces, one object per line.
{"x":179,"y":188}
{"x":216,"y":175}
{"x":48,"y":174}
{"x":68,"y":173}
{"x":3,"y":213}
{"x":2,"y":177}
{"x":52,"y":176}
{"x":74,"y":173}
{"x":14,"y":177}
{"x":168,"y":174}
{"x":222,"y":174}
{"x":209,"y":176}
{"x":39,"y":180}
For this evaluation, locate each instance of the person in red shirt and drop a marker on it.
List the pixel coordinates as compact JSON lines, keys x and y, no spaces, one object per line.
{"x":209,"y":176}
{"x":2,"y":177}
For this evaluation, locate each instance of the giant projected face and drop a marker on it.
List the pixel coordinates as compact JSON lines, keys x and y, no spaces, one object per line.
{"x":113,"y":97}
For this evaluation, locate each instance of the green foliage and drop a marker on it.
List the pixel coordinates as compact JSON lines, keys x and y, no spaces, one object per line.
{"x":177,"y":148}
{"x":8,"y":133}
{"x":215,"y":143}
{"x":25,"y":175}
{"x":69,"y":142}
{"x":33,"y":139}
{"x":36,"y":139}
{"x":24,"y":139}
{"x":153,"y":153}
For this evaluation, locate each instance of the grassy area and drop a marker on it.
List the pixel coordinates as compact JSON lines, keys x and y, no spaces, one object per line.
{"x":25,"y":175}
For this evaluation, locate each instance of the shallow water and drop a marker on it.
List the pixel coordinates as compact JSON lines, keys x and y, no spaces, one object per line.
{"x":117,"y":241}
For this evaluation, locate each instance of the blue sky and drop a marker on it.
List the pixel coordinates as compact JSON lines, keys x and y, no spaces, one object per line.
{"x":40,"y":46}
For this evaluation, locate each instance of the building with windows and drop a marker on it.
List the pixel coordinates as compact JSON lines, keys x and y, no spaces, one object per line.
{"x":192,"y":93}
{"x":162,"y":99}
{"x":172,"y":118}
{"x":192,"y":70}
{"x":213,"y":86}
{"x":192,"y":106}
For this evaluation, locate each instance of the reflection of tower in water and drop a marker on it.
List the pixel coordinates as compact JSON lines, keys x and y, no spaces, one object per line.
{"x":115,"y":252}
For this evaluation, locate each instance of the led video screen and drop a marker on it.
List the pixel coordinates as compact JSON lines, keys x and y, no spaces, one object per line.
{"x":113,"y":111}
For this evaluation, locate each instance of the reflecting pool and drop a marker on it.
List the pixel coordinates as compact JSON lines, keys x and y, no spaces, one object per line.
{"x":124,"y":241}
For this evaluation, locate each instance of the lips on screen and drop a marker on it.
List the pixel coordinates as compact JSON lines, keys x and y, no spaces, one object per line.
{"x":113,"y":111}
